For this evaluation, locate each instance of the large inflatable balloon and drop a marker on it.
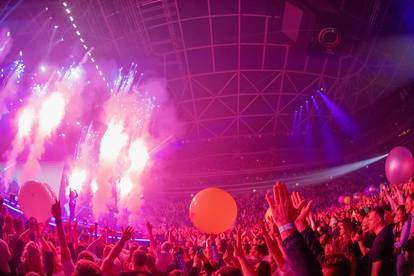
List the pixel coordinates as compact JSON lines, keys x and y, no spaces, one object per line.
{"x":347,"y":200}
{"x":36,"y":200}
{"x":399,"y":165}
{"x":213,"y":211}
{"x":268,"y":215}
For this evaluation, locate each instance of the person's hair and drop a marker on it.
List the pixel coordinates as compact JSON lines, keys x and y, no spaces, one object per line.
{"x":139,"y":258}
{"x":86,"y":268}
{"x":166,"y":246}
{"x":387,"y":208}
{"x":379,"y":211}
{"x":151,"y":261}
{"x":264,"y":269}
{"x":176,"y":272}
{"x":86,"y":255}
{"x":31,"y":273}
{"x":143,"y":248}
{"x":229,"y":271}
{"x":31,"y":258}
{"x":338,"y":263}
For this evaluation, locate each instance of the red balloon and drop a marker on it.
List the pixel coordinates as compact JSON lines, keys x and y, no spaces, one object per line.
{"x":213,"y":211}
{"x":399,"y":165}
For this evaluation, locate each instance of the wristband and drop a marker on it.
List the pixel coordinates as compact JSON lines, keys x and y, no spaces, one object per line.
{"x":286,"y":227}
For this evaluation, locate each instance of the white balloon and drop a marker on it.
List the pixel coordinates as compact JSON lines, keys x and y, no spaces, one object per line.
{"x":36,"y":200}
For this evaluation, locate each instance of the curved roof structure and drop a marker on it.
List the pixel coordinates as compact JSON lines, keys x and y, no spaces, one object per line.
{"x":243,"y":69}
{"x":240,"y":67}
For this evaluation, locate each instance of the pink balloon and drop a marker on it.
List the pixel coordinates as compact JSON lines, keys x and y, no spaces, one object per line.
{"x":399,"y":165}
{"x":36,"y":200}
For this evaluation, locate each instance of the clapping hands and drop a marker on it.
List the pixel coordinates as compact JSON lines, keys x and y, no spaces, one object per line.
{"x":283,"y":211}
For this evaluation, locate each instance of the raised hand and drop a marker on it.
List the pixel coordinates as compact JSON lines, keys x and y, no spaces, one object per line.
{"x":283,"y":211}
{"x":104,"y":234}
{"x":56,"y":211}
{"x":238,"y":246}
{"x":357,"y":237}
{"x":128,"y":233}
{"x":302,"y":207}
{"x":263,"y":228}
{"x":149,"y":227}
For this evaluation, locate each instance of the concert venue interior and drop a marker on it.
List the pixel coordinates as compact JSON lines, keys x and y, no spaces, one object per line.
{"x":206,"y":137}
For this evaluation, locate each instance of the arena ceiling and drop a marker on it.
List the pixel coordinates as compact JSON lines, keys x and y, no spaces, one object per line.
{"x":239,"y":68}
{"x":242,"y":67}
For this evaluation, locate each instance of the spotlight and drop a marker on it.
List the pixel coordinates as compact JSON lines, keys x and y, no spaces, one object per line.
{"x":64,"y":4}
{"x":67,"y":11}
{"x":55,"y":27}
{"x":42,"y":68}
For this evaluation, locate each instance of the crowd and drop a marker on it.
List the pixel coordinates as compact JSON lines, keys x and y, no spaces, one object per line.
{"x":373,"y":235}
